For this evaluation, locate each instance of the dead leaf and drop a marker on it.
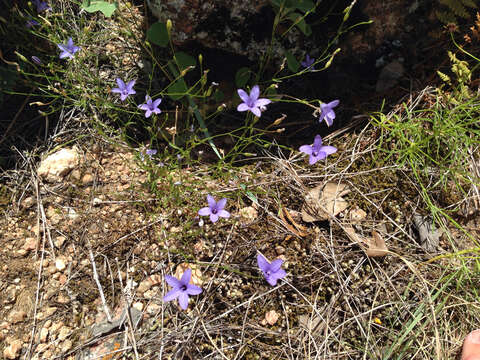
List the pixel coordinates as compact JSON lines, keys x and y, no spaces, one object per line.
{"x":356,"y":215}
{"x":271,"y":317}
{"x":297,"y":229}
{"x":429,"y":237}
{"x":324,"y":201}
{"x":374,"y":246}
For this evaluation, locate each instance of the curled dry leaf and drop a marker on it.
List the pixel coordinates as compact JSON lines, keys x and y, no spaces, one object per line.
{"x":356,"y":215}
{"x":374,"y":246}
{"x":324,"y":201}
{"x":271,"y":317}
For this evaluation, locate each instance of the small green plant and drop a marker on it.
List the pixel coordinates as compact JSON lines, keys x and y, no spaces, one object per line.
{"x":460,"y":85}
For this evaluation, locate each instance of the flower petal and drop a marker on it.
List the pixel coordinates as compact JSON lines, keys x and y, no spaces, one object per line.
{"x":272,"y":280}
{"x":317,"y":142}
{"x":70,"y":43}
{"x":186,"y":277}
{"x":279,"y":274}
{"x":172,"y":281}
{"x":157,"y":102}
{"x":275,"y":265}
{"x":243,"y":95}
{"x":183,"y":300}
{"x":148,"y":113}
{"x":193,"y":289}
{"x":213,"y":218}
{"x":256,"y":111}
{"x":116,"y":90}
{"x":255,"y":93}
{"x":306,"y":149}
{"x":143,"y":107}
{"x":329,"y":119}
{"x":130,"y":84}
{"x":223,"y":213}
{"x":262,"y":102}
{"x":172,"y":294}
{"x":211,"y":202}
{"x":263,"y":263}
{"x":328,"y":149}
{"x":120,"y":83}
{"x":221,"y":203}
{"x":313,"y":159}
{"x":204,"y":211}
{"x":243,"y":107}
{"x":333,"y":103}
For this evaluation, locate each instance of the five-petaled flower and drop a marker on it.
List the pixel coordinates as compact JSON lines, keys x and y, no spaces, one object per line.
{"x":308,"y":62}
{"x":68,"y":49}
{"x":272,"y":271}
{"x":327,"y":112}
{"x":252,"y":102}
{"x":150,"y":106}
{"x":41,"y":5}
{"x":124,"y":89}
{"x":181,"y":289}
{"x":317,"y":151}
{"x":214,"y":209}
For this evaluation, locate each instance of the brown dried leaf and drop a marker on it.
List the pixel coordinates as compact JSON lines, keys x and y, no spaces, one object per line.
{"x":323,"y":202}
{"x":374,"y":246}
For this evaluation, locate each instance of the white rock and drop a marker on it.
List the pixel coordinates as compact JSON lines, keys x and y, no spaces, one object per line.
{"x":57,"y":165}
{"x":60,"y":264}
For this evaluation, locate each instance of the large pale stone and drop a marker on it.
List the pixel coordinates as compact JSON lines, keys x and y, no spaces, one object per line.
{"x":55,"y":166}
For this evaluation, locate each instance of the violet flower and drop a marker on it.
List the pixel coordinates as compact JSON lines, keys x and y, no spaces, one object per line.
{"x":68,"y":49}
{"x":214,"y":209}
{"x":151,"y":152}
{"x":31,"y":23}
{"x":271,"y":271}
{"x":124,"y":90}
{"x":317,"y":151}
{"x":327,"y":112}
{"x":181,"y":289}
{"x":308,"y":62}
{"x":41,"y":5}
{"x":252,"y":102}
{"x":150,"y":106}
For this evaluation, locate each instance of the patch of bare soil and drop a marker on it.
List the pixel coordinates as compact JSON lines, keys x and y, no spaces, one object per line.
{"x":76,"y":254}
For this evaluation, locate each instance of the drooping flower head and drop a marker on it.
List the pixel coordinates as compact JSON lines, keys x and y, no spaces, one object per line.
{"x":68,"y":49}
{"x":31,"y":23}
{"x":150,"y":106}
{"x":271,"y":271}
{"x":308,"y":62}
{"x":327,"y":112}
{"x":214,"y":209}
{"x":317,"y":151}
{"x":36,"y":60}
{"x":41,"y":5}
{"x":252,"y":102}
{"x":181,"y":289}
{"x":124,"y":89}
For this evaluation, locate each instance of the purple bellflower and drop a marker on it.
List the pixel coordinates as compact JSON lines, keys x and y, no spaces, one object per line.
{"x":214,"y":209}
{"x":252,"y":102}
{"x":68,"y":49}
{"x":317,"y":151}
{"x":150,"y":106}
{"x":41,"y":5}
{"x":124,"y":89}
{"x":31,"y":23}
{"x":151,"y":152}
{"x":272,"y":271}
{"x":327,"y":112}
{"x":36,"y":60}
{"x":181,"y":289}
{"x":308,"y":62}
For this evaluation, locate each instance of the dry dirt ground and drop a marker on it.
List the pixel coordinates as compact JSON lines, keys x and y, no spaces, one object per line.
{"x":76,"y":253}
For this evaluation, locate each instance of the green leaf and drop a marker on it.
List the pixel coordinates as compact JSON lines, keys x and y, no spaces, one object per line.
{"x":300,"y":23}
{"x":292,"y":62}
{"x":184,"y":60}
{"x":158,"y":34}
{"x":105,"y":7}
{"x":218,"y":95}
{"x":242,"y":76}
{"x":177,"y":90}
{"x":305,"y":5}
